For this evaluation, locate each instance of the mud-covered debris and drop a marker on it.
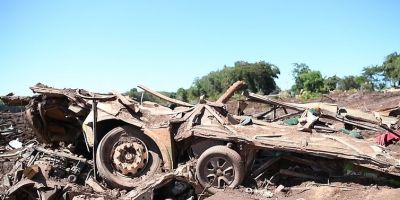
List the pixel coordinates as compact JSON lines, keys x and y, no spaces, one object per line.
{"x":15,"y":100}
{"x":143,"y":150}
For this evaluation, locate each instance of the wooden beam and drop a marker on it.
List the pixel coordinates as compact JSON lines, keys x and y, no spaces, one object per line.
{"x":231,"y":90}
{"x":157,"y":94}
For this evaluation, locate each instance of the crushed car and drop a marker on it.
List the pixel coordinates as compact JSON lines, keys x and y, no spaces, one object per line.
{"x":112,"y":141}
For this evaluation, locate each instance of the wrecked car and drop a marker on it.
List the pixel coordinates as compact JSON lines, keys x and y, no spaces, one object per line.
{"x":126,"y":144}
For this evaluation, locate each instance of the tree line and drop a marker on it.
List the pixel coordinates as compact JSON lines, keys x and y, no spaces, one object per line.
{"x":310,"y":83}
{"x":260,"y":78}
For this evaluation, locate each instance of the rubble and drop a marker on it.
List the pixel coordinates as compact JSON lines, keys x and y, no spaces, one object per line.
{"x":11,"y":100}
{"x":325,"y":117}
{"x":13,"y":126}
{"x":108,"y":146}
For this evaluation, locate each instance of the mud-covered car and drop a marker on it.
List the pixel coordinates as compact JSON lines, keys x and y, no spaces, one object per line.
{"x":128,"y":143}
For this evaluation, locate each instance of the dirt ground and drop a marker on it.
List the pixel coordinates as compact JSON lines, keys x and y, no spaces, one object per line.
{"x":313,"y":191}
{"x":357,"y":193}
{"x":366,"y":101}
{"x":354,"y":192}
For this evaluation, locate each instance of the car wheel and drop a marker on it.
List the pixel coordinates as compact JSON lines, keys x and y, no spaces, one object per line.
{"x":126,"y":157}
{"x":219,"y":167}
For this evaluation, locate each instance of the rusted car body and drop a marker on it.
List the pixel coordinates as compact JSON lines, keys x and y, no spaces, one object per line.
{"x":65,"y":115}
{"x":137,"y":140}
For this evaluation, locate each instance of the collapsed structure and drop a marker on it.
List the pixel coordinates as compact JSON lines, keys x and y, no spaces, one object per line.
{"x":149,"y":151}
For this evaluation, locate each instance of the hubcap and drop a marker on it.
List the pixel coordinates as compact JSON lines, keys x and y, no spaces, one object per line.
{"x":219,"y":172}
{"x":130,"y":157}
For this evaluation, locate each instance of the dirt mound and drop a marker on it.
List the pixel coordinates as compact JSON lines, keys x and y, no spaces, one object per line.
{"x":366,"y":101}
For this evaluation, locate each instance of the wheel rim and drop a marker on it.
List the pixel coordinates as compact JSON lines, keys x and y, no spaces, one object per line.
{"x":219,"y":172}
{"x":129,"y":156}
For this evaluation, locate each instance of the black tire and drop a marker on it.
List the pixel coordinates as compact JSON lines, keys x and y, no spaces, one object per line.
{"x":105,"y":166}
{"x":219,"y":158}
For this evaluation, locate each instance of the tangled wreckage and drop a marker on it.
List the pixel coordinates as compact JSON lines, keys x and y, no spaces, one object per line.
{"x":127,"y":149}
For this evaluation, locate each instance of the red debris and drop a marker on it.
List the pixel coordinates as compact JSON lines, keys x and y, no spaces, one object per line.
{"x":386,"y":138}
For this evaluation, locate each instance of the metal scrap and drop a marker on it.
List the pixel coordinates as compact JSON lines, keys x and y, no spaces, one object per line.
{"x":66,"y":160}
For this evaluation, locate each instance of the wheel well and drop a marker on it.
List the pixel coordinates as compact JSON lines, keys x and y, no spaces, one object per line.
{"x":202,"y":144}
{"x":103,"y":127}
{"x":106,"y":126}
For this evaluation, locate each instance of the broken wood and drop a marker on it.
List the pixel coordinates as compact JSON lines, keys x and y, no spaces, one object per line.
{"x":127,"y":102}
{"x":284,"y":110}
{"x":216,"y":115}
{"x":196,"y":113}
{"x":270,"y":101}
{"x":159,"y":95}
{"x":231,"y":90}
{"x":262,"y":114}
{"x":94,"y":185}
{"x":31,"y":171}
{"x":329,"y":115}
{"x":323,"y":128}
{"x":287,"y":115}
{"x":259,"y":171}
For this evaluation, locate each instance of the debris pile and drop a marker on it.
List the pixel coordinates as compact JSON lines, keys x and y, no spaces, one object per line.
{"x":92,"y":145}
{"x":13,"y":126}
{"x":329,"y":118}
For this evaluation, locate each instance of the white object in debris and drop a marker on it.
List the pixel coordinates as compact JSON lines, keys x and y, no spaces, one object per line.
{"x":279,"y":189}
{"x":264,"y":192}
{"x":15,"y":144}
{"x":267,"y":194}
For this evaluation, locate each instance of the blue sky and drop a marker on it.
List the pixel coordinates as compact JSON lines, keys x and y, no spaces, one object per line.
{"x":107,"y":45}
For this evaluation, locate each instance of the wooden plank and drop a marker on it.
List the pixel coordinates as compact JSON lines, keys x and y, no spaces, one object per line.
{"x":267,"y":100}
{"x":215,"y":114}
{"x":288,"y":115}
{"x":262,"y":114}
{"x":157,"y":94}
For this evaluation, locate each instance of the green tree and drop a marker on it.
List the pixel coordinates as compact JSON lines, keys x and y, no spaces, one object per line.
{"x":299,"y":68}
{"x":375,"y":76}
{"x":354,"y":82}
{"x":331,"y":83}
{"x":312,"y":81}
{"x":259,"y":76}
{"x":391,"y":68}
{"x":136,"y":95}
{"x":182,"y":94}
